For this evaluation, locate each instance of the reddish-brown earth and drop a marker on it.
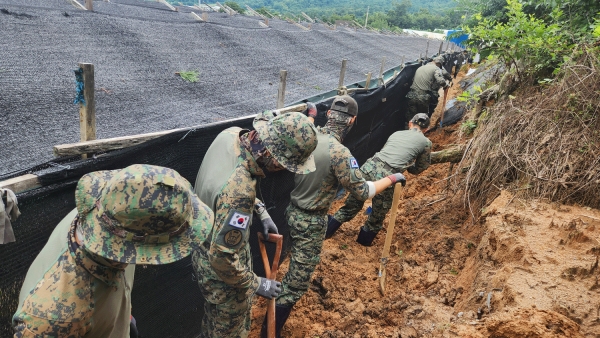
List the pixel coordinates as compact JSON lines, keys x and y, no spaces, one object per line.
{"x":523,"y":269}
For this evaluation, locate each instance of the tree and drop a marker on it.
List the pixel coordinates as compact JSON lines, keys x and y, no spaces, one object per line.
{"x":235,"y":6}
{"x":398,"y":16}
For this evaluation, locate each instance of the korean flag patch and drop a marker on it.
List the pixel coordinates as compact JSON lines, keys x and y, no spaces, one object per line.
{"x":353,"y":163}
{"x":239,"y":220}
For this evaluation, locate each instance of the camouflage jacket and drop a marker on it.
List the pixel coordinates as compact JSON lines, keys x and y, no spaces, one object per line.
{"x":335,"y":164}
{"x":405,"y":147}
{"x":226,"y":182}
{"x":67,"y":294}
{"x":429,"y":78}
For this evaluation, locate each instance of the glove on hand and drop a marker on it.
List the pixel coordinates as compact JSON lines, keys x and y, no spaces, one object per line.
{"x":312,"y":110}
{"x":268,"y":288}
{"x":397,"y":177}
{"x":269,"y":226}
{"x":267,"y":221}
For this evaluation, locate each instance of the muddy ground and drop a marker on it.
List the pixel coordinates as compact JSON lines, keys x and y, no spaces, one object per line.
{"x":523,"y":269}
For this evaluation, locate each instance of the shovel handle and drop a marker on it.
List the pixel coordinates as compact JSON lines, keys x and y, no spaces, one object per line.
{"x":271,"y":273}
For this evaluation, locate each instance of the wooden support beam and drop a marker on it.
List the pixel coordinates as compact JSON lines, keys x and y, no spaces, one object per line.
{"x":262,"y":24}
{"x":77,"y":4}
{"x":281,"y":91}
{"x":307,"y":17}
{"x":297,"y":24}
{"x":381,"y":71}
{"x":87,"y":109}
{"x":342,"y":73}
{"x":368,"y":82}
{"x":89,"y":5}
{"x":116,"y":143}
{"x":204,"y":16}
{"x":197,"y":17}
{"x":164,"y":2}
{"x":427,"y":49}
{"x":21,"y":183}
{"x":441,"y":45}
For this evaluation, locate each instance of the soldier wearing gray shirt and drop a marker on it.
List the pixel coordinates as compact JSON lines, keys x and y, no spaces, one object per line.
{"x":405,"y":150}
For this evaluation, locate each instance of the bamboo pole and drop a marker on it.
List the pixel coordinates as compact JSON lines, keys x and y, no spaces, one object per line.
{"x":281,"y":91}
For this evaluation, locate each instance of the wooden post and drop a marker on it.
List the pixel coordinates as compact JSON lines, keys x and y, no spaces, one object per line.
{"x":89,"y":5}
{"x":427,"y":49}
{"x":441,"y":45}
{"x":87,"y":110}
{"x":204,"y":16}
{"x":402,"y":61}
{"x":368,"y":82}
{"x":281,"y":91}
{"x":381,"y":71}
{"x":342,"y":73}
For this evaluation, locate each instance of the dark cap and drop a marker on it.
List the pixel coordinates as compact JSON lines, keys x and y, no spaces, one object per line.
{"x":345,"y":104}
{"x":421,"y":120}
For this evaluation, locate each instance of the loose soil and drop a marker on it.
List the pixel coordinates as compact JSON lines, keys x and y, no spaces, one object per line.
{"x":523,"y":269}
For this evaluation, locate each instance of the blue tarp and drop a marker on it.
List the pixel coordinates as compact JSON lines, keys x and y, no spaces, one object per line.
{"x":457,"y":38}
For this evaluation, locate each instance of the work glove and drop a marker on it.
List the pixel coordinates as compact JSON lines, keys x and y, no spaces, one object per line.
{"x":267,"y":221}
{"x":397,"y":177}
{"x":311,"y":110}
{"x":268,"y":288}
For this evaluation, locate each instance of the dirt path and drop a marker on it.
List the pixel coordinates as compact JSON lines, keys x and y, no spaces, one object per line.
{"x":536,"y":263}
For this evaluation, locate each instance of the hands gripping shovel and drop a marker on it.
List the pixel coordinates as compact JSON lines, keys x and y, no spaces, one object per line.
{"x":388,"y":238}
{"x":271,"y":273}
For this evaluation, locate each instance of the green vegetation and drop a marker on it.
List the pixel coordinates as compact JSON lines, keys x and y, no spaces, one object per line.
{"x":468,"y":127}
{"x":189,"y":75}
{"x":235,"y":6}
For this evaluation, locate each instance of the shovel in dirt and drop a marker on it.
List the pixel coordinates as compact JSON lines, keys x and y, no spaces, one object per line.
{"x":271,"y":273}
{"x":388,"y":238}
{"x":443,"y":107}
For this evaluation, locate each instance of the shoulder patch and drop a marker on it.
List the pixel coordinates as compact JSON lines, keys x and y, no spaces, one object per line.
{"x":232,"y":238}
{"x":353,"y":163}
{"x":238,"y":219}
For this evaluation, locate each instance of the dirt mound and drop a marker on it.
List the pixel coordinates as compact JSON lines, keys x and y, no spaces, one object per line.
{"x":524,"y":269}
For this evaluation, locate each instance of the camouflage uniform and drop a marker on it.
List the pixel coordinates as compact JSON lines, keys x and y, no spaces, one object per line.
{"x":401,"y":149}
{"x":84,"y":290}
{"x":307,"y":212}
{"x":227,"y":182}
{"x":426,"y":84}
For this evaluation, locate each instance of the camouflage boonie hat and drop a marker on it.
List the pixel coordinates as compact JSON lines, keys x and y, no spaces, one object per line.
{"x":439,"y":59}
{"x":141,"y":214}
{"x":421,"y":120}
{"x":290,"y":138}
{"x":345,"y":104}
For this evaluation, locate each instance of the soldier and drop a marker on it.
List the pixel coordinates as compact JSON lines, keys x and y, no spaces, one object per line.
{"x":424,"y":91}
{"x":401,"y":149}
{"x":227,"y":182}
{"x":80,"y":283}
{"x":312,"y":197}
{"x":460,"y":59}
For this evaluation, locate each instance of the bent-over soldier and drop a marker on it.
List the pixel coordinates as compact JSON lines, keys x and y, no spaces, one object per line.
{"x":226,"y":182}
{"x":312,"y":196}
{"x":404,"y":150}
{"x":80,"y":283}
{"x":424,"y":91}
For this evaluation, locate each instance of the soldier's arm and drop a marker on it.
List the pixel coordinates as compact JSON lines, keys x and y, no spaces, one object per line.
{"x":28,"y":325}
{"x":439,"y":78}
{"x":231,"y":233}
{"x":347,"y":171}
{"x":446,"y":75}
{"x":422,"y":161}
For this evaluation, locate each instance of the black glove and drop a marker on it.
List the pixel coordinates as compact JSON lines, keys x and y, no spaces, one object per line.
{"x":397,"y":177}
{"x":268,"y":288}
{"x":311,"y":110}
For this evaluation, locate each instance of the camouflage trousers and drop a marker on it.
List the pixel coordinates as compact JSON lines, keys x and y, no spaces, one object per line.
{"x":226,"y":309}
{"x":372,"y":170}
{"x":418,"y":102}
{"x":307,"y":233}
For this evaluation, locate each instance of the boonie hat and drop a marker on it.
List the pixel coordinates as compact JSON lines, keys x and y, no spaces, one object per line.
{"x":142,"y":214}
{"x":290,"y":138}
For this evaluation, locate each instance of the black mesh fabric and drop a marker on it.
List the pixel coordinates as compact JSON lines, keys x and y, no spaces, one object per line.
{"x":166,"y":299}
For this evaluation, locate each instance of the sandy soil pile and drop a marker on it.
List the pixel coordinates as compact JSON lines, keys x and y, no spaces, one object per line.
{"x":524,"y":269}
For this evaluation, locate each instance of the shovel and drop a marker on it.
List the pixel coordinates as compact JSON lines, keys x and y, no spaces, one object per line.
{"x":388,"y":238}
{"x":444,"y":106}
{"x":271,"y":273}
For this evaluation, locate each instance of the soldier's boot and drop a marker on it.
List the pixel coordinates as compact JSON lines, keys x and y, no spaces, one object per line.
{"x":281,"y":315}
{"x":365,"y":237}
{"x":332,"y":226}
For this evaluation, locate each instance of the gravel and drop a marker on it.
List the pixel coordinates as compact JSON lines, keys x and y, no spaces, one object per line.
{"x":138,"y":46}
